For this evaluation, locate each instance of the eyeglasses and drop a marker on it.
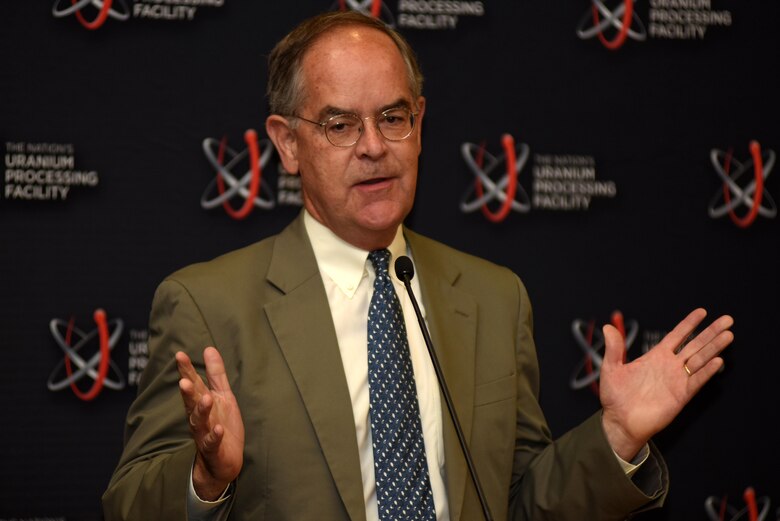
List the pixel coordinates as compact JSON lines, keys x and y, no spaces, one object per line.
{"x":344,"y":130}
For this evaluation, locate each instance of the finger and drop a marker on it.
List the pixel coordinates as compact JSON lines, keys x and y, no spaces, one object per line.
{"x":215,"y":370}
{"x":199,"y":417}
{"x":703,"y":339}
{"x":190,"y":384}
{"x":683,"y":330}
{"x":210,"y":442}
{"x":703,"y":374}
{"x":188,"y":395}
{"x":614,"y":346}
{"x":185,"y":367}
{"x":711,"y":350}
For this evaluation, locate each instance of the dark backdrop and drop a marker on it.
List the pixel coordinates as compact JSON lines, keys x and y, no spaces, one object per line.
{"x":127,"y":105}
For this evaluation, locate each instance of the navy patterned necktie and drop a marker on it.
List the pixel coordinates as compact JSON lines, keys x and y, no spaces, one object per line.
{"x":403,"y":487}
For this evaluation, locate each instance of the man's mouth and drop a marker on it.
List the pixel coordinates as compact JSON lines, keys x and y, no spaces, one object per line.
{"x":373,"y":181}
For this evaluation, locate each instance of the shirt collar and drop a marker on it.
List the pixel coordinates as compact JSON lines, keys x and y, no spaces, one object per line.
{"x":344,"y":263}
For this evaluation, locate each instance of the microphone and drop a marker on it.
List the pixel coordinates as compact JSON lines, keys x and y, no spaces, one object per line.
{"x":404,"y":270}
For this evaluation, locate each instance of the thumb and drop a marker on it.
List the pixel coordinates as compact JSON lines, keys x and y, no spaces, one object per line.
{"x":614,"y":346}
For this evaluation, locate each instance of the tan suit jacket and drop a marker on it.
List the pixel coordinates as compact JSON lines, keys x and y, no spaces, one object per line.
{"x":265,"y":308}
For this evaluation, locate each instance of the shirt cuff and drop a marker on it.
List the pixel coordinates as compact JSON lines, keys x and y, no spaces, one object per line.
{"x":201,"y":510}
{"x":628,"y":467}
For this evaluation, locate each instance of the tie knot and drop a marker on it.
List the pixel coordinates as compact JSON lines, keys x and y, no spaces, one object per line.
{"x":380,"y":260}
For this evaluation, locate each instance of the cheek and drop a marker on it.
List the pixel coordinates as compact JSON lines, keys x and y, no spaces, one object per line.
{"x":324,"y":164}
{"x":316,"y":172}
{"x":323,"y":188}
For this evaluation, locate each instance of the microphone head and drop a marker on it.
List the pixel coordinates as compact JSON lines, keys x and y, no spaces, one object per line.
{"x":404,"y":269}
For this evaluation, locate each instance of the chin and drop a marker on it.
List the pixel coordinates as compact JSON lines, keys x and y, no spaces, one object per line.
{"x":383,"y":216}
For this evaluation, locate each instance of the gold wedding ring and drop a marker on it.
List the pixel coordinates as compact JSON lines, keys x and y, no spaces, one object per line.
{"x":685,"y":366}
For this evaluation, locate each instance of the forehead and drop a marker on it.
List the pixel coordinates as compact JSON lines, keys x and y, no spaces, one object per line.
{"x":354,"y":68}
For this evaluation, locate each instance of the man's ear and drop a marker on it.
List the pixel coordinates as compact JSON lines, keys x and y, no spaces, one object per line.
{"x":283,"y":138}
{"x":419,"y":119}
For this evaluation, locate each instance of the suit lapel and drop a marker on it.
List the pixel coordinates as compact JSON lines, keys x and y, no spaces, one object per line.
{"x":303,"y":326}
{"x":451,"y":317}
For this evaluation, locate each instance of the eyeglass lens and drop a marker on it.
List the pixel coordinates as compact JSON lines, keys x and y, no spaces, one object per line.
{"x":393,"y":124}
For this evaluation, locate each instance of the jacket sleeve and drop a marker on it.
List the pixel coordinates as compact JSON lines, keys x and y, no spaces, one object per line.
{"x":576,"y":476}
{"x":153,"y":472}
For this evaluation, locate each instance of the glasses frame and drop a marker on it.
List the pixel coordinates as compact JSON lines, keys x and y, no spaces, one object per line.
{"x":321,"y":124}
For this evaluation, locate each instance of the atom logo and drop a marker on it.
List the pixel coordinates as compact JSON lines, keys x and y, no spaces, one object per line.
{"x":591,"y":341}
{"x":104,"y":8}
{"x":718,"y":510}
{"x":733,"y":196}
{"x":620,"y":21}
{"x":485,"y":190}
{"x":374,"y":8}
{"x":229,"y":186}
{"x":96,"y":367}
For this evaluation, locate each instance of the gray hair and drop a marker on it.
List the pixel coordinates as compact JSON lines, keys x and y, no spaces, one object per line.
{"x":285,"y":83}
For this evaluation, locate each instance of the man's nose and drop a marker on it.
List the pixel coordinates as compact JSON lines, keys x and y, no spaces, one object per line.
{"x":371,"y":142}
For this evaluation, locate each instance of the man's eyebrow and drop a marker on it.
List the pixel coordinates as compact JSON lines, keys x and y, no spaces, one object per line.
{"x":330,"y":110}
{"x":400,"y":103}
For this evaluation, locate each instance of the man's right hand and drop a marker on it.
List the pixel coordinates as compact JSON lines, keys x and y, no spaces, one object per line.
{"x":215,"y":423}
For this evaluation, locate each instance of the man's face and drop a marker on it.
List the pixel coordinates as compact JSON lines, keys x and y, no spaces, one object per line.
{"x":362,"y":192}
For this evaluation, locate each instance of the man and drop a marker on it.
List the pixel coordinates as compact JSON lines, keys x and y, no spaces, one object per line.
{"x":288,"y":424}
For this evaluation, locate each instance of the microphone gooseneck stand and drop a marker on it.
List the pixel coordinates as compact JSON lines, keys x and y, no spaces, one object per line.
{"x":404,"y":270}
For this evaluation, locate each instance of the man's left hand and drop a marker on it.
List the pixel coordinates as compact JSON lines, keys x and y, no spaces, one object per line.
{"x":642,"y":397}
